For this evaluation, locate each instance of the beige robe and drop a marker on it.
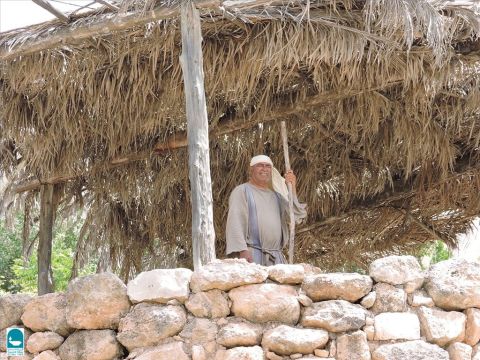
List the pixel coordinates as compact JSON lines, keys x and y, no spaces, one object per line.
{"x":272,"y":220}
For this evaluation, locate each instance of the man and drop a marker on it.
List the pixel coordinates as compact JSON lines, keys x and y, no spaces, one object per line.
{"x":257,"y":222}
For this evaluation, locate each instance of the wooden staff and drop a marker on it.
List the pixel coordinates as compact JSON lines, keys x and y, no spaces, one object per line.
{"x":283,"y":128}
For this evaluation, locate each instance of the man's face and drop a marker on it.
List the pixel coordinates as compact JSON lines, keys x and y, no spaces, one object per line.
{"x":261,"y":173}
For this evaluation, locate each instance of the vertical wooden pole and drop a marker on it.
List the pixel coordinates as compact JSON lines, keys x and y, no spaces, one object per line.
{"x":45,"y":278}
{"x":203,"y":234}
{"x":291,"y":243}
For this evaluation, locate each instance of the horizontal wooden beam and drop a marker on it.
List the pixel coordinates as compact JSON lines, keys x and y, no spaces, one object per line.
{"x":115,"y":22}
{"x":179,"y":139}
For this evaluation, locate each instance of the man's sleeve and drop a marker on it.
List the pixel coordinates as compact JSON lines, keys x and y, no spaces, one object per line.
{"x":299,"y":210}
{"x":237,"y":221}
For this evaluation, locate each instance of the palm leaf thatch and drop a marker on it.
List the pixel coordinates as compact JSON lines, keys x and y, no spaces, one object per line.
{"x":381,"y":100}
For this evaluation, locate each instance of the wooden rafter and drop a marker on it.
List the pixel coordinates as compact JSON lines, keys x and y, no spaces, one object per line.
{"x":51,"y":9}
{"x":107,"y":4}
{"x":179,"y":140}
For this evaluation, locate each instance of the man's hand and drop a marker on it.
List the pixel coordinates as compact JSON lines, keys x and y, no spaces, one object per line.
{"x":291,"y":178}
{"x":246,"y":254}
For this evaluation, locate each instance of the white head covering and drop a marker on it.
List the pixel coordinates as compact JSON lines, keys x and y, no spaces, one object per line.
{"x":261,"y":159}
{"x":278,"y":181}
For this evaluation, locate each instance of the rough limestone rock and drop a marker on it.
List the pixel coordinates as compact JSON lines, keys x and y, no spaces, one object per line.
{"x":476,"y":352}
{"x":389,"y":299}
{"x":199,"y":331}
{"x":472,"y":328}
{"x":240,"y":333}
{"x":261,"y":303}
{"x":460,"y":351}
{"x":353,"y":346}
{"x":91,"y":345}
{"x":454,"y":284}
{"x":398,"y":270}
{"x":96,"y":302}
{"x":47,"y":355}
{"x":42,"y":341}
{"x":287,"y":340}
{"x":241,"y":353}
{"x":410,"y":350}
{"x":334,"y":316}
{"x":11,"y":309}
{"x":169,"y":351}
{"x":147,"y":324}
{"x":227,"y":274}
{"x":210,"y":304}
{"x":160,"y":286}
{"x":3,"y":345}
{"x":442,"y":327}
{"x":350,"y":287}
{"x":286,"y":273}
{"x":397,"y":326}
{"x":368,"y":301}
{"x":420,"y":298}
{"x":47,"y":313}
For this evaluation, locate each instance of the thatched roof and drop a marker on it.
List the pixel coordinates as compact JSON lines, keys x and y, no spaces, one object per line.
{"x":381,"y":100}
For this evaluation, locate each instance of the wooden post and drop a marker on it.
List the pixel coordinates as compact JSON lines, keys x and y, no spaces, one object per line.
{"x":203,"y":234}
{"x":45,"y":278}
{"x":291,"y":243}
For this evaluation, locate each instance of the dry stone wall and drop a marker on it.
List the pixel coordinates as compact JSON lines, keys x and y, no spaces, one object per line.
{"x":232,"y":310}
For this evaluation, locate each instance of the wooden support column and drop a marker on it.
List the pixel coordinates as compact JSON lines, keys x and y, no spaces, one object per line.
{"x":203,"y":234}
{"x":45,"y":276}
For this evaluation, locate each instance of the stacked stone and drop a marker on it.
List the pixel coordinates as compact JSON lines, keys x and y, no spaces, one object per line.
{"x":232,"y":310}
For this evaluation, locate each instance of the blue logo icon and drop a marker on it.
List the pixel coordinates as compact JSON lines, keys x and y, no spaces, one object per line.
{"x":15,"y":339}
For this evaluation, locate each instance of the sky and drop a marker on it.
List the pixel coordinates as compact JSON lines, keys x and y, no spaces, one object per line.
{"x":19,"y":13}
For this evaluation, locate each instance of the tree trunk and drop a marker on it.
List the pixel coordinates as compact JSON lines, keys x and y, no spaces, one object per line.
{"x":203,"y":234}
{"x":45,"y":277}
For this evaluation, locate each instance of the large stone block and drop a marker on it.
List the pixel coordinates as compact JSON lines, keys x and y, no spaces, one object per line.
{"x":397,"y":326}
{"x":389,"y":299}
{"x":442,"y":327}
{"x":42,"y":341}
{"x":353,"y":346}
{"x":241,"y":353}
{"x":454,"y":284}
{"x":91,"y":345}
{"x":210,"y":304}
{"x":420,"y":298}
{"x":169,"y":351}
{"x":476,"y":352}
{"x":160,"y":286}
{"x":410,"y":350}
{"x":286,"y":273}
{"x":261,"y":303}
{"x":334,"y":316}
{"x":47,"y":355}
{"x":460,"y":351}
{"x":47,"y":313}
{"x":472,"y":329}
{"x":11,"y":309}
{"x":199,"y":331}
{"x":227,"y":274}
{"x":148,"y":324}
{"x":350,"y":287}
{"x":238,"y":332}
{"x":398,"y":270}
{"x":96,"y":302}
{"x":288,"y":340}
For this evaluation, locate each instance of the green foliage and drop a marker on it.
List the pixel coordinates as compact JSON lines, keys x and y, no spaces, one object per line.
{"x":433,"y":253}
{"x":10,"y":249}
{"x":22,"y":277}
